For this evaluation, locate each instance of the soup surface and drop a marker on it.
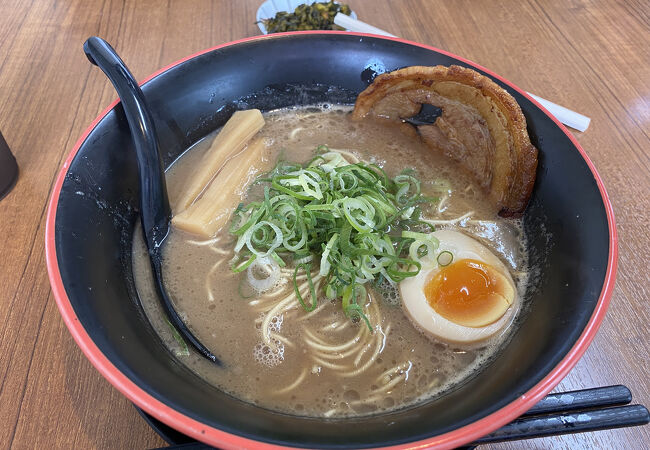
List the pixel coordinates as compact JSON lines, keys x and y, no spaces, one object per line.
{"x":321,"y":363}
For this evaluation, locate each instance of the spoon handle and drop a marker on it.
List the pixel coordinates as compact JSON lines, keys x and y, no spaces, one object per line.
{"x":155,"y":210}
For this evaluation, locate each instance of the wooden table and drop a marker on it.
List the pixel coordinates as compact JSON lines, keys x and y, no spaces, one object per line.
{"x":591,"y":56}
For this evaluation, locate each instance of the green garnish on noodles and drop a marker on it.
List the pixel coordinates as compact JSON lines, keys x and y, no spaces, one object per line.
{"x":352,"y":218}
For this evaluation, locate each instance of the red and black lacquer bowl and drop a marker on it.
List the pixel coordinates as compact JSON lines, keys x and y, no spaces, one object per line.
{"x":94,"y":207}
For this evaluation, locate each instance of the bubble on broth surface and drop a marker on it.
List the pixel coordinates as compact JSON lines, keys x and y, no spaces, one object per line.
{"x":269,"y":355}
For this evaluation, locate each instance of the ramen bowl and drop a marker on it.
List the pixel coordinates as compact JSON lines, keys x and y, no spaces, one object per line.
{"x":94,"y":207}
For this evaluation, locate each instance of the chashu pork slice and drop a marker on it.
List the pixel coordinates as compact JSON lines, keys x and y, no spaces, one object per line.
{"x":481,"y":126}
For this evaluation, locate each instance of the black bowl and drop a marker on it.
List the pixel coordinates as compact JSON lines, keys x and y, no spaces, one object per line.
{"x":94,"y":207}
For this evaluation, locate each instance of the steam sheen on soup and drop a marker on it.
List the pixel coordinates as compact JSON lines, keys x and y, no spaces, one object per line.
{"x":321,"y":363}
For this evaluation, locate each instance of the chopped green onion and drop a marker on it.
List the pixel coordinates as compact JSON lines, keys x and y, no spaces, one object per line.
{"x":351,"y":307}
{"x":258,"y":235}
{"x":243,"y":266}
{"x":445,"y":258}
{"x":184,"y":351}
{"x":345,"y":216}
{"x":423,"y":244}
{"x":324,"y":260}
{"x":312,"y":291}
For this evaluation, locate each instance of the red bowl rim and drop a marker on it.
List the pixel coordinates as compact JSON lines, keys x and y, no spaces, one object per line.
{"x":223,"y":439}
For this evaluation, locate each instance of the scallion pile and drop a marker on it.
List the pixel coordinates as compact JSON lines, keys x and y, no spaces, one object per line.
{"x":356,"y":223}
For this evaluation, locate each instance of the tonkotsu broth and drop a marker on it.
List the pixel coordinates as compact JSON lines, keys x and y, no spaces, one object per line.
{"x":293,"y":376}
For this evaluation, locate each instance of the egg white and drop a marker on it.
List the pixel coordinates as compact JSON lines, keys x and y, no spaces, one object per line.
{"x":426,"y":318}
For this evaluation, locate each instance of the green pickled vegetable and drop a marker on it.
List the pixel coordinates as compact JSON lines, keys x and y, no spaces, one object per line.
{"x":317,"y":16}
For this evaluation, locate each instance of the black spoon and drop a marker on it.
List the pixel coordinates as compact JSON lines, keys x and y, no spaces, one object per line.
{"x":155,"y":212}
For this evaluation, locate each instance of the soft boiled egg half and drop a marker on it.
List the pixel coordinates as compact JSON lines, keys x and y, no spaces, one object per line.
{"x":468,"y":300}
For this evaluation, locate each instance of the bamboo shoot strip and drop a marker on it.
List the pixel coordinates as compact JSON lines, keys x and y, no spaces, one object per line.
{"x":213,"y":209}
{"x":232,"y":138}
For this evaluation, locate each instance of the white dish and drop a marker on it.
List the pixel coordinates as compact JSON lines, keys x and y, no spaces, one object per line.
{"x":270,"y":8}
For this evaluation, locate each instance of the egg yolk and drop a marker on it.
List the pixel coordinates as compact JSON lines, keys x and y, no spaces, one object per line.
{"x":469,"y":293}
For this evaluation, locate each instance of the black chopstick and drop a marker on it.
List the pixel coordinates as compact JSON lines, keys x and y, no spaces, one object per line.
{"x":573,"y":422}
{"x":581,"y":399}
{"x":573,"y":412}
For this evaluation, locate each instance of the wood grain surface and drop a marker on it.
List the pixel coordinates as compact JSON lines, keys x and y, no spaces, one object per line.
{"x":591,"y":56}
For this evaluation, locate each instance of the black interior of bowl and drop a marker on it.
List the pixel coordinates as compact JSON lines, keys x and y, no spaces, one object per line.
{"x":565,"y":223}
